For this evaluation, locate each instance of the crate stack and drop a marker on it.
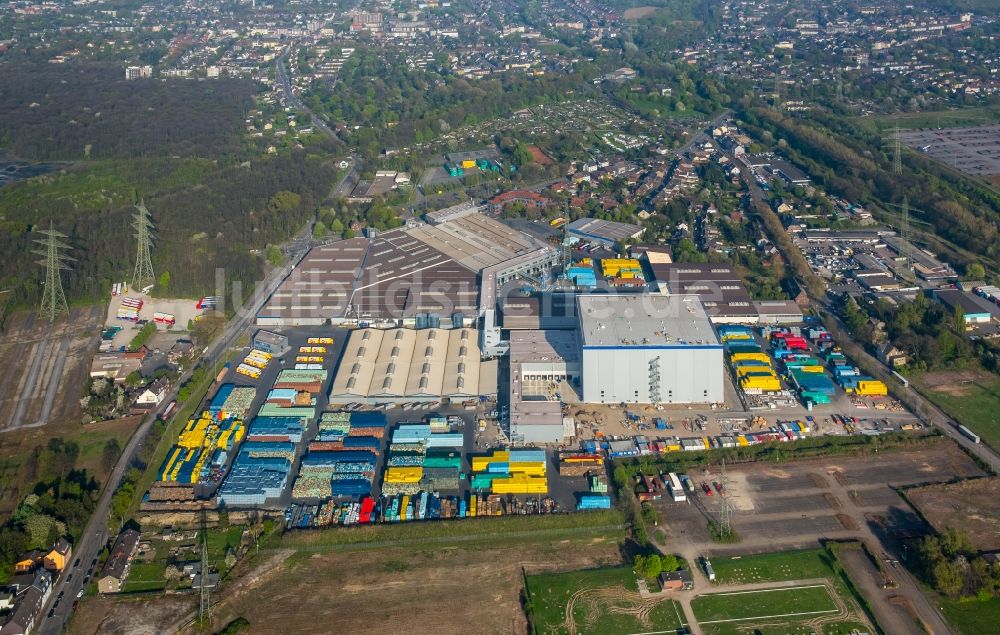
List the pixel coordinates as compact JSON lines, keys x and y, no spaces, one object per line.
{"x":274,"y":429}
{"x":260,"y":472}
{"x":237,"y":403}
{"x":201,"y":450}
{"x":749,"y":362}
{"x":579,"y":463}
{"x":334,"y":474}
{"x":129,"y":309}
{"x":511,"y":472}
{"x":593,"y":501}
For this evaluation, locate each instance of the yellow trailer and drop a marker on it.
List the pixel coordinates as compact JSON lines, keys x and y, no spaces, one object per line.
{"x":872,"y":388}
{"x":742,"y":357}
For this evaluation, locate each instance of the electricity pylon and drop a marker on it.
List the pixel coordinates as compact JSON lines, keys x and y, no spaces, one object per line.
{"x":142,"y":276}
{"x":205,"y":604}
{"x":54,"y":260}
{"x":904,"y":221}
{"x":725,"y":526}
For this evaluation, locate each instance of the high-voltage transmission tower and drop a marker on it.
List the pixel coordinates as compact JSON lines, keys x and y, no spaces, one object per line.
{"x":205,"y":604}
{"x":725,"y":527}
{"x":904,"y":220}
{"x":55,"y":260}
{"x":142,"y":276}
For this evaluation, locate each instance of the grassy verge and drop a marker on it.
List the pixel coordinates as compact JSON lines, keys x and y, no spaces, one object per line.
{"x":933,"y":119}
{"x":975,"y":406}
{"x":502,"y":529}
{"x":972,"y":617}
{"x":548,"y":597}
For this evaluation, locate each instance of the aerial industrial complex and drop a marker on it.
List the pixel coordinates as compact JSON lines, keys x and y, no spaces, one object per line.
{"x":390,"y":367}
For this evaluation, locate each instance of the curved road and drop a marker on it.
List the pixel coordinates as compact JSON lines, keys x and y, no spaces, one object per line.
{"x":96,"y":534}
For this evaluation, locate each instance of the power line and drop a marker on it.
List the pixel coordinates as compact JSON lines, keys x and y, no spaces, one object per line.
{"x":205,"y":605}
{"x":142,"y":276}
{"x":725,"y":526}
{"x":54,"y":260}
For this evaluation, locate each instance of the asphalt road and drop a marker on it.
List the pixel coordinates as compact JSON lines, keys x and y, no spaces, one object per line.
{"x":96,"y":534}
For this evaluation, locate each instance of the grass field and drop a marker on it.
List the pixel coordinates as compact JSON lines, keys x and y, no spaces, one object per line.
{"x":782,"y":566}
{"x":762,"y":605}
{"x":971,"y":397}
{"x":600,"y":601}
{"x":772,"y":567}
{"x":933,"y":119}
{"x":973,"y":618}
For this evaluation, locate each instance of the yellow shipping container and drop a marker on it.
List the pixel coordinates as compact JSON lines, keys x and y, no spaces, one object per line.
{"x":708,"y":446}
{"x":612,"y":267}
{"x":736,"y":336}
{"x":811,"y":369}
{"x":766,"y":384}
{"x":673,"y":447}
{"x":521,"y":484}
{"x":468,"y":163}
{"x":404,"y":474}
{"x":743,"y":371}
{"x":872,"y":388}
{"x":742,"y":440}
{"x":743,"y":357}
{"x":534,"y":469}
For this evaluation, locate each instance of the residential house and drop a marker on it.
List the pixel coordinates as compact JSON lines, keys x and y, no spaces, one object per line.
{"x":115,"y":570}
{"x":29,"y":607}
{"x":681,"y":580}
{"x":60,"y":555}
{"x":891,"y":356}
{"x":151,"y":397}
{"x":29,"y":561}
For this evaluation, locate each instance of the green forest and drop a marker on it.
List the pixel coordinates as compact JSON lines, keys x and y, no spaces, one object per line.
{"x":216,"y":200}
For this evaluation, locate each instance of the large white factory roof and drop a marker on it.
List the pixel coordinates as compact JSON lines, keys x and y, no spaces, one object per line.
{"x":644,"y":320}
{"x":399,"y":363}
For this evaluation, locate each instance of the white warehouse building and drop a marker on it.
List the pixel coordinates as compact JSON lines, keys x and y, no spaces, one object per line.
{"x":648,"y":348}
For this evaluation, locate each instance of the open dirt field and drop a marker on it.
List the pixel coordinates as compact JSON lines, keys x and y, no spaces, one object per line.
{"x":441,"y":591}
{"x":956,"y":383}
{"x":45,"y":367}
{"x":798,"y":501}
{"x":638,"y":12}
{"x":129,"y":617}
{"x":972,"y":506}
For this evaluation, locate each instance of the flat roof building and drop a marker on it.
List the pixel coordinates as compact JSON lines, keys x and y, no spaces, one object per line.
{"x":975,"y":310}
{"x":605,"y":232}
{"x":539,"y":358}
{"x":396,"y":277}
{"x":648,"y":348}
{"x":720,"y":288}
{"x":396,"y":365}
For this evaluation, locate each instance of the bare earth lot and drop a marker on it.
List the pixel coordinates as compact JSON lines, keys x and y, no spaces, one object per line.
{"x":803,"y":500}
{"x":972,"y":506}
{"x":45,"y":367}
{"x":442,"y":591}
